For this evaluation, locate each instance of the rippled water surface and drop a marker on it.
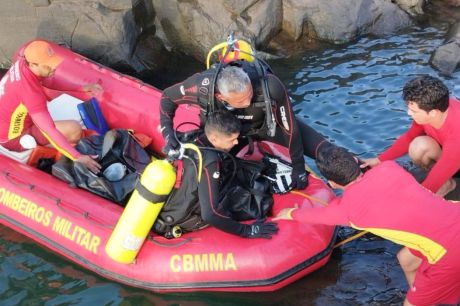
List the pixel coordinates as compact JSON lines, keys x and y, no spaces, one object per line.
{"x":352,"y":95}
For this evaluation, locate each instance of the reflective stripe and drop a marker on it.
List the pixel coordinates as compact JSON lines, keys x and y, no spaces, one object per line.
{"x":429,"y":248}
{"x":17,"y":121}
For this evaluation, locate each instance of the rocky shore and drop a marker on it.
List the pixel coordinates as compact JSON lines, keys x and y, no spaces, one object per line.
{"x":147,"y":35}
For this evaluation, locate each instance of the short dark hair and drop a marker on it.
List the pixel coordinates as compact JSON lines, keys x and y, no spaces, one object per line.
{"x":428,"y":92}
{"x":337,"y":164}
{"x":222,"y":121}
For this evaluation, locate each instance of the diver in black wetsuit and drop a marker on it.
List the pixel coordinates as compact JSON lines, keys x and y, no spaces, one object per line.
{"x":221,"y":132}
{"x":243,"y":88}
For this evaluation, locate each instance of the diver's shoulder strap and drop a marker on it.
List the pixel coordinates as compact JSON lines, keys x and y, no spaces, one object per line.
{"x":205,"y":91}
{"x":269,"y":116}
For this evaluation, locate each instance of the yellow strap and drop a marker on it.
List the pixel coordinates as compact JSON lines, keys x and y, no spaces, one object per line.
{"x":193,"y":147}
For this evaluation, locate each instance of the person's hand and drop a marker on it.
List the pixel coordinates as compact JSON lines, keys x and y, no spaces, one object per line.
{"x":261,"y":229}
{"x":285,"y":214}
{"x":89,"y":162}
{"x":172,"y":149}
{"x":369,"y":162}
{"x":93,"y":89}
{"x":299,"y":179}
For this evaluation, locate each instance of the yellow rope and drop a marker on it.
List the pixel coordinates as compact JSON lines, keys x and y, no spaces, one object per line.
{"x":324,"y":203}
{"x":359,"y":234}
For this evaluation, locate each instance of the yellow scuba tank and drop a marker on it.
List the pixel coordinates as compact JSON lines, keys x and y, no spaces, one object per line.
{"x":143,"y":207}
{"x":231,"y":50}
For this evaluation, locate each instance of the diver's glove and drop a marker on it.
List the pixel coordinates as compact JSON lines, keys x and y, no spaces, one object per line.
{"x":299,"y":178}
{"x":172,"y":149}
{"x":260,"y":229}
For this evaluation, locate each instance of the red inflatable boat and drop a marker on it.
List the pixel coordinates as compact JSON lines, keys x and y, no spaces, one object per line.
{"x":77,"y":224}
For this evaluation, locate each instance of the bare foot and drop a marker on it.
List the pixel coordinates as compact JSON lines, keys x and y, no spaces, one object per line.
{"x":447,"y":187}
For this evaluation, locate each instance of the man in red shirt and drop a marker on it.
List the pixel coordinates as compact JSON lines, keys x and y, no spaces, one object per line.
{"x":433,"y":140}
{"x":24,"y":117}
{"x":424,"y":223}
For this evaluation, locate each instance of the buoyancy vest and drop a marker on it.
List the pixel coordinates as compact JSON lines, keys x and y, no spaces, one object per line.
{"x":182,"y":208}
{"x":253,"y":118}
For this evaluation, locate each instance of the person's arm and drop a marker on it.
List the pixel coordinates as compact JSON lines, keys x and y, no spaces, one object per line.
{"x":181,"y":93}
{"x":332,"y":214}
{"x":287,"y":124}
{"x":91,"y":89}
{"x":445,"y":167}
{"x":45,"y":124}
{"x":311,"y":139}
{"x":401,"y":145}
{"x":34,"y":100}
{"x":286,"y":120}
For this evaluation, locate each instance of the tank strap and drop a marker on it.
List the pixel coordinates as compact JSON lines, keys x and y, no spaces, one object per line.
{"x":150,"y":196}
{"x":178,"y":164}
{"x":269,"y":116}
{"x":205,"y":92}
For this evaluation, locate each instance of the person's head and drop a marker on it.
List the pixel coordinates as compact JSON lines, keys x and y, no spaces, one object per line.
{"x":41,"y":58}
{"x":222,"y":129}
{"x":337,"y":165}
{"x":426,"y":97}
{"x":234,"y":87}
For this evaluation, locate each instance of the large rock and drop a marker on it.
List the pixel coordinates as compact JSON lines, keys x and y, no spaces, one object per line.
{"x":412,"y":7}
{"x":103,"y":30}
{"x":342,"y":21}
{"x":196,"y":26}
{"x":446,"y":57}
{"x":132,"y":34}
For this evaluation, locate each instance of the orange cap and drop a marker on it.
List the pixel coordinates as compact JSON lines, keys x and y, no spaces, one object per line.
{"x":41,"y":52}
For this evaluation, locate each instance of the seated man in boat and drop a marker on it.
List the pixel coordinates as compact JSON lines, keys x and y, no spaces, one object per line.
{"x":221,"y":133}
{"x":433,"y":139}
{"x":24,"y":117}
{"x":245,"y":87}
{"x":426,"y":224}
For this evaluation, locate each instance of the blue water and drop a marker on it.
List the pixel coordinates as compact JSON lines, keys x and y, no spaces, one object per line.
{"x":352,"y":95}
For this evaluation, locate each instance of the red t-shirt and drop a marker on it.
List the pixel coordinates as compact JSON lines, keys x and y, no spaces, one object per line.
{"x":448,"y":137}
{"x":388,"y":202}
{"x":23,"y":103}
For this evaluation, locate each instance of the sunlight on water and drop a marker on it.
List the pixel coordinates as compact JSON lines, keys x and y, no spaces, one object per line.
{"x":352,"y":94}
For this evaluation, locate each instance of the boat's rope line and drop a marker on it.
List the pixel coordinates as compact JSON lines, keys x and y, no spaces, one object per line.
{"x":324,"y":203}
{"x":312,"y":198}
{"x":348,"y":239}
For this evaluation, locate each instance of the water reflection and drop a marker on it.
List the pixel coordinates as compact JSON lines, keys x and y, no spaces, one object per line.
{"x":352,"y":94}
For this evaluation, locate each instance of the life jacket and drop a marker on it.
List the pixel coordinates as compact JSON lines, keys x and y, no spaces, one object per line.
{"x":256,"y":114}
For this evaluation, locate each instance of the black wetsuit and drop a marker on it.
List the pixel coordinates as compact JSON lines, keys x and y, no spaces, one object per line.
{"x":209,"y":187}
{"x":291,"y":133}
